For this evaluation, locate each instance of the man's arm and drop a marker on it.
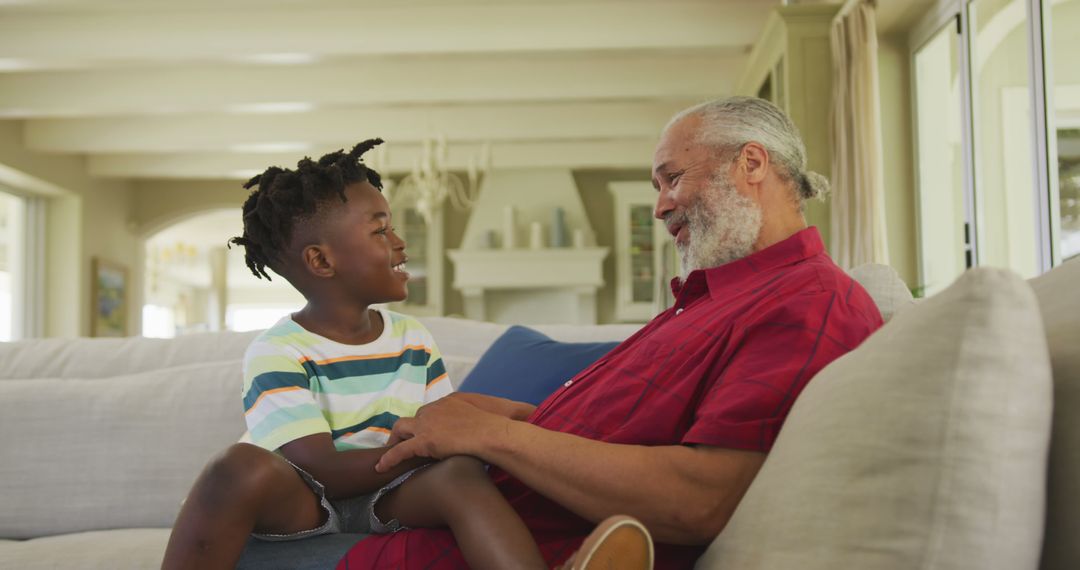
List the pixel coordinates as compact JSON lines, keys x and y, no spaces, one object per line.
{"x":683,"y":494}
{"x":500,"y":406}
{"x":351,"y":473}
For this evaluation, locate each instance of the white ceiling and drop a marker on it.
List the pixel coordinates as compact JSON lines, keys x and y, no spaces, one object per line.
{"x":218,"y":89}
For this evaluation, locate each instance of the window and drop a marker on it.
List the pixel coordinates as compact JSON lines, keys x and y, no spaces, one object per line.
{"x":1005,"y":154}
{"x":257,"y":317}
{"x":158,"y":321}
{"x":1006,"y":191}
{"x":11,"y":266}
{"x":943,"y":209}
{"x":1063,"y":19}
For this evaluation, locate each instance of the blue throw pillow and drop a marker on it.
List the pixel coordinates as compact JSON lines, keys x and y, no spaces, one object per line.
{"x":527,"y":366}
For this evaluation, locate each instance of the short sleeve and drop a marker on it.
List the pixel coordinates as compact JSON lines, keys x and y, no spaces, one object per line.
{"x":438,"y":381}
{"x":774,"y":358}
{"x":278,"y":404}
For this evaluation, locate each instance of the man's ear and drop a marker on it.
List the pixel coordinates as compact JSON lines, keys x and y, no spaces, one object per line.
{"x":316,"y":261}
{"x":754,"y":160}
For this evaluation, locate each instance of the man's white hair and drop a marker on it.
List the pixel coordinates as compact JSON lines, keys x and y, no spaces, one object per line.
{"x":728,"y":124}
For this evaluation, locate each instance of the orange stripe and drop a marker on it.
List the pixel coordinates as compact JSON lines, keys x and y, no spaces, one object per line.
{"x":371,"y":356}
{"x":274,"y":391}
{"x":372,"y":428}
{"x":435,"y":381}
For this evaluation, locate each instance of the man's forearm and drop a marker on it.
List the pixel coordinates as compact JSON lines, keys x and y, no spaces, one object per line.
{"x":683,"y":494}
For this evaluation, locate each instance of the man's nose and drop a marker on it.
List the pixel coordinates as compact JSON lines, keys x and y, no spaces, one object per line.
{"x":664,"y":204}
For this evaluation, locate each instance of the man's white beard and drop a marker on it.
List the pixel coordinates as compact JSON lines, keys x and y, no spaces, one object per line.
{"x":723,"y":226}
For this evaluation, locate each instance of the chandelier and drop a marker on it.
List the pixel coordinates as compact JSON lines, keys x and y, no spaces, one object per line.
{"x":430,"y":183}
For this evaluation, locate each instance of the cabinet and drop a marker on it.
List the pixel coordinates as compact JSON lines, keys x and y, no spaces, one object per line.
{"x":645,"y":258}
{"x":424,"y":246}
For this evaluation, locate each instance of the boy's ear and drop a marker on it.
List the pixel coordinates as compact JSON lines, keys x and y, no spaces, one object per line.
{"x":316,"y":263}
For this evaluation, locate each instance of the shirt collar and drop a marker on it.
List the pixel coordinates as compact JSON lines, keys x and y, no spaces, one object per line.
{"x":804,"y":244}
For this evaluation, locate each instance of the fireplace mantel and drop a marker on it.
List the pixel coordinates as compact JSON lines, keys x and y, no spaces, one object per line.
{"x":563,"y":279}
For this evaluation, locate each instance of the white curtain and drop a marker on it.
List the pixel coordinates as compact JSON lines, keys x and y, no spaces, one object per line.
{"x":858,"y":195}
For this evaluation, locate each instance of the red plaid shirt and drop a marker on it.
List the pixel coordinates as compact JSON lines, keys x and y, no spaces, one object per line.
{"x":720,"y":368}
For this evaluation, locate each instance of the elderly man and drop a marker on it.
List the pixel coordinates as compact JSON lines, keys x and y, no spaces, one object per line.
{"x":671,"y":426}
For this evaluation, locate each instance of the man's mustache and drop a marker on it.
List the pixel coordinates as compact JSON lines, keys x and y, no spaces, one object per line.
{"x":675,"y":219}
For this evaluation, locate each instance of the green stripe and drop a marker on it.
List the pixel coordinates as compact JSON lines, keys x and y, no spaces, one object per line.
{"x":292,"y":431}
{"x":435,"y":370}
{"x":396,"y":406}
{"x":272,"y":381}
{"x":367,"y":367}
{"x":272,"y":363}
{"x":283,"y":418}
{"x":370,"y":384}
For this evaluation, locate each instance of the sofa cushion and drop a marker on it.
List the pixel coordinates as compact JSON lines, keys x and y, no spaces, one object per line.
{"x":107,"y":357}
{"x":467,"y":338}
{"x":883,"y":283}
{"x":923,"y":448}
{"x":122,"y":452}
{"x":120,"y":549}
{"x":527,"y":366}
{"x":1059,"y":298}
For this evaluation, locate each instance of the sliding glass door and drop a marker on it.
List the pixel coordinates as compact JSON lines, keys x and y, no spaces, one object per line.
{"x":1062,"y":19}
{"x":1005,"y":175}
{"x":996,"y":89}
{"x":943,"y":207}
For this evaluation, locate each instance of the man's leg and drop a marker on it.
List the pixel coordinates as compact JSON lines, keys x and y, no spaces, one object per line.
{"x":244,"y":489}
{"x":316,"y":553}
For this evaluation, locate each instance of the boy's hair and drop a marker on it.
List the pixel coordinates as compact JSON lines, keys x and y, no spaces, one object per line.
{"x":285,"y":197}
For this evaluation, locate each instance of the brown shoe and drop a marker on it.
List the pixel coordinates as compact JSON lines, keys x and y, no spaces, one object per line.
{"x":618,"y":543}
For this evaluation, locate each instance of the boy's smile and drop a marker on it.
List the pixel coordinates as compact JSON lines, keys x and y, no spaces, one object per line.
{"x":367,"y":255}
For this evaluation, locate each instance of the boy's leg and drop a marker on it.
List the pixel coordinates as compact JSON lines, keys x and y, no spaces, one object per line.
{"x":244,"y":489}
{"x":457,"y":493}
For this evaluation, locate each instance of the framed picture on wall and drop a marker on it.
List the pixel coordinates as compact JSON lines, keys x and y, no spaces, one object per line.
{"x":109,"y":301}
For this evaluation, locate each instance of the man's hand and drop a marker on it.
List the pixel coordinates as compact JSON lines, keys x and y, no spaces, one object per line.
{"x":449,"y":426}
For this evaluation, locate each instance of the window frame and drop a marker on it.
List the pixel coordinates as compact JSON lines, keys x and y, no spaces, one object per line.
{"x":1044,"y":174}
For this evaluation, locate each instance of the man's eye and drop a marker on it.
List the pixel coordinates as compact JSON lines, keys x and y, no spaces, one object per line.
{"x":674,"y":177}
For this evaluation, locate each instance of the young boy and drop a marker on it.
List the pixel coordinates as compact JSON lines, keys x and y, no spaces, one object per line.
{"x":323,"y":387}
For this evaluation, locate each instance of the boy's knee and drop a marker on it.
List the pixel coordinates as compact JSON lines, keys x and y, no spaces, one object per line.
{"x":240,"y":473}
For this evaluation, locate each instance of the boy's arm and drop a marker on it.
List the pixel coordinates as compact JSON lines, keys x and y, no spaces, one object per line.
{"x":343,"y":473}
{"x":281,"y":414}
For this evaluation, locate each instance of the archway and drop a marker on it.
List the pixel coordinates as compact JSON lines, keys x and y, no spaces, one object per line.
{"x":195,"y":283}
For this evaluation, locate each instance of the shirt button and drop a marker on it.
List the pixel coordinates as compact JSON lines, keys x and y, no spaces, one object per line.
{"x":568,"y":383}
{"x":679,"y":311}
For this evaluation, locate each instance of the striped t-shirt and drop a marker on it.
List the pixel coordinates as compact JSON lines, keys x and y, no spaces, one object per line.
{"x":297,"y":383}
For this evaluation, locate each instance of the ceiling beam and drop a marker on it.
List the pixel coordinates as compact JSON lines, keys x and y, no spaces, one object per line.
{"x":398,"y":159}
{"x":75,"y":38}
{"x":320,"y":128}
{"x":368,"y":81}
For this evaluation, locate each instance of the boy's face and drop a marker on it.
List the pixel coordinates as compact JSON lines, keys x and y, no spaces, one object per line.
{"x":368,"y":258}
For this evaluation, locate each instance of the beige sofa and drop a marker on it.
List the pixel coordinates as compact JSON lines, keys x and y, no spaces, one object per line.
{"x":102,"y":439}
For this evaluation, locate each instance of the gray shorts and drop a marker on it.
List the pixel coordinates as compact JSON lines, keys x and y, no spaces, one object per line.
{"x":352,"y":515}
